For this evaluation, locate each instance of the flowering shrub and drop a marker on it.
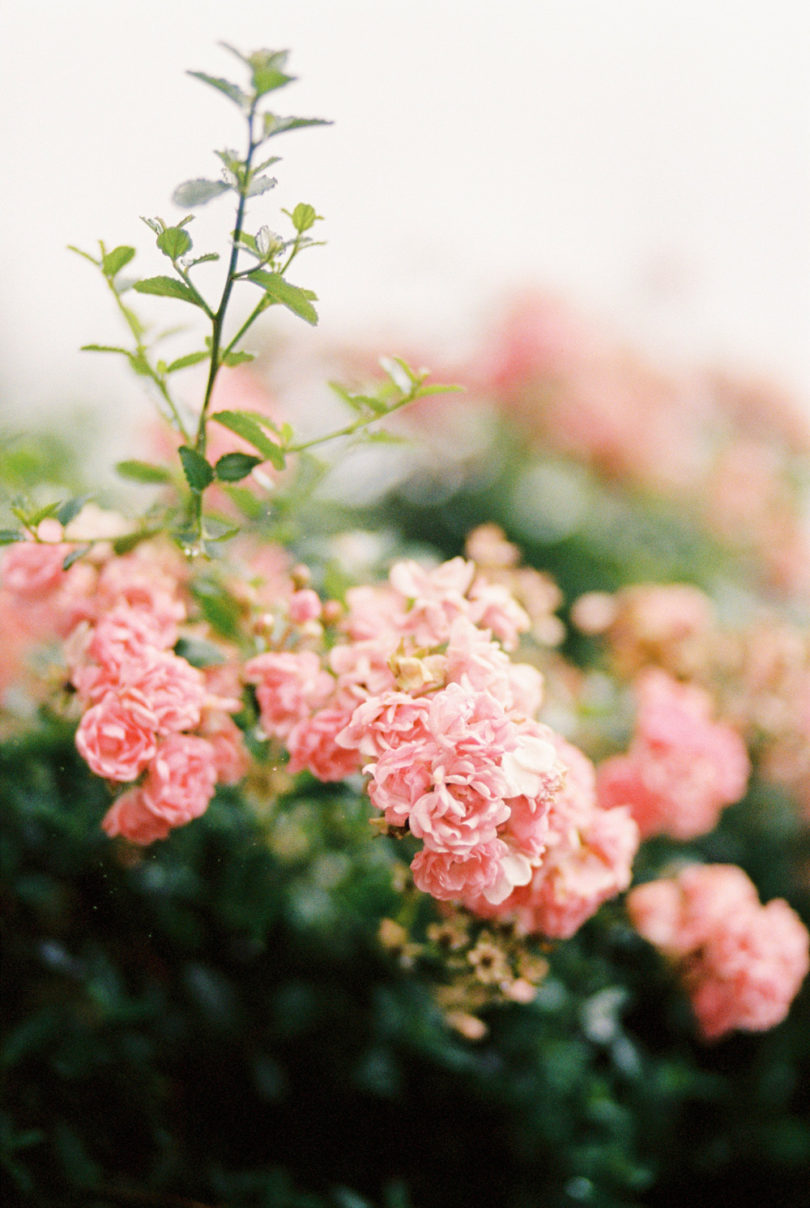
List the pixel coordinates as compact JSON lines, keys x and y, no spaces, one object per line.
{"x":493,"y":776}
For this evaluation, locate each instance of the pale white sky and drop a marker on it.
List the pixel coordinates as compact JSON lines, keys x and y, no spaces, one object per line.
{"x":648,"y":158}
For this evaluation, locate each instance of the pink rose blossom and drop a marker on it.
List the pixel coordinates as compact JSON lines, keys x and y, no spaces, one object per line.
{"x":33,"y":569}
{"x":447,"y":876}
{"x":313,"y":745}
{"x":289,"y":686}
{"x":181,"y":779}
{"x":231,"y":759}
{"x":117,"y":736}
{"x":130,"y":816}
{"x":682,"y":769}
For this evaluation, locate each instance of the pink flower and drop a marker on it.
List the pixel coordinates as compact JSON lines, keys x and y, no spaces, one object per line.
{"x":313,"y":745}
{"x":305,"y":605}
{"x":451,"y":876}
{"x":130,"y":816}
{"x":181,"y":779}
{"x":117,"y":736}
{"x":742,"y":963}
{"x":289,"y":686}
{"x":175,"y":691}
{"x":33,"y":569}
{"x":231,"y":759}
{"x":682,"y":769}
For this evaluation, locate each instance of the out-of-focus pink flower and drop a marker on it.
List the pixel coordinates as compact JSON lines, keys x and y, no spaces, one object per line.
{"x":741,"y":963}
{"x":131,"y":817}
{"x":231,"y":759}
{"x":33,"y":569}
{"x":449,"y":876}
{"x":312,"y":743}
{"x":117,"y":736}
{"x":289,"y":686}
{"x":681,"y":769}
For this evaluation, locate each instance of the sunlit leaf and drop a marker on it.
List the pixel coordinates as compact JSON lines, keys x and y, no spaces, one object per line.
{"x":278,"y":290}
{"x":166,"y":287}
{"x":198,"y":192}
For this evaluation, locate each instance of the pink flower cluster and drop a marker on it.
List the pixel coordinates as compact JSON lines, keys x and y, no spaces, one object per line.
{"x":150,"y":720}
{"x":682,"y":768}
{"x":742,"y":963}
{"x":422,"y":695}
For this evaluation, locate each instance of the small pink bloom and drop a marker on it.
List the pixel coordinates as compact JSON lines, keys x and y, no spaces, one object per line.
{"x":305,"y":605}
{"x":313,"y":745}
{"x":32,"y":569}
{"x":289,"y":686}
{"x":448,"y":876}
{"x":116,"y":737}
{"x":130,"y":816}
{"x":181,"y":779}
{"x":231,"y":759}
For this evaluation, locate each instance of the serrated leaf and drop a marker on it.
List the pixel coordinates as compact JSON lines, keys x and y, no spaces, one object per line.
{"x":114,"y":261}
{"x":238,"y":358}
{"x":166,"y":287}
{"x":191,"y":358}
{"x":303,"y":217}
{"x":70,"y":509}
{"x":293,"y":297}
{"x":143,"y":471}
{"x":9,"y":536}
{"x":203,"y":259}
{"x":261,"y":184}
{"x":273,"y":124}
{"x":267,"y":78}
{"x":199,"y":652}
{"x":233,"y":467}
{"x":228,"y":89}
{"x":174,"y":242}
{"x":199,"y":473}
{"x":246,"y":425}
{"x":105,"y":348}
{"x":198,"y":192}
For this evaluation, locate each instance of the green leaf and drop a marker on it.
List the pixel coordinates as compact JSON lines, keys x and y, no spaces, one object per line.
{"x":198,"y":192}
{"x":75,"y":555}
{"x":267,"y":78}
{"x":199,"y":473}
{"x":261,"y":184}
{"x":238,"y":358}
{"x":174,"y":242}
{"x":249,"y":427}
{"x":191,"y":358}
{"x":127,"y":542}
{"x":70,"y":509}
{"x":143,"y":471}
{"x":8,"y":536}
{"x":303,"y":217}
{"x":166,"y":287}
{"x":273,"y":124}
{"x":199,"y":652}
{"x":105,"y":348}
{"x":203,"y":259}
{"x":233,"y":467}
{"x":115,"y":260}
{"x":278,"y":290}
{"x":232,"y":91}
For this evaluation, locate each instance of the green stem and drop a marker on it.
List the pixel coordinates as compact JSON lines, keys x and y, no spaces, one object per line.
{"x":356,"y":426}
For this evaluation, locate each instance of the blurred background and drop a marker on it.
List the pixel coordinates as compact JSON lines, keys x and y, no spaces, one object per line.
{"x":650,"y":161}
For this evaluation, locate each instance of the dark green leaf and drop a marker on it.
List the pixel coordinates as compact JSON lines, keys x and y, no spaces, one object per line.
{"x":248,"y":426}
{"x":233,"y":467}
{"x":199,"y":473}
{"x":174,"y":242}
{"x":191,"y":358}
{"x":232,"y":91}
{"x":115,"y":260}
{"x":70,"y":509}
{"x":199,"y":652}
{"x":7,"y":536}
{"x":303,"y":217}
{"x":166,"y":287}
{"x":261,"y":184}
{"x":198,"y":192}
{"x":74,"y":556}
{"x":143,"y":471}
{"x":278,"y":290}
